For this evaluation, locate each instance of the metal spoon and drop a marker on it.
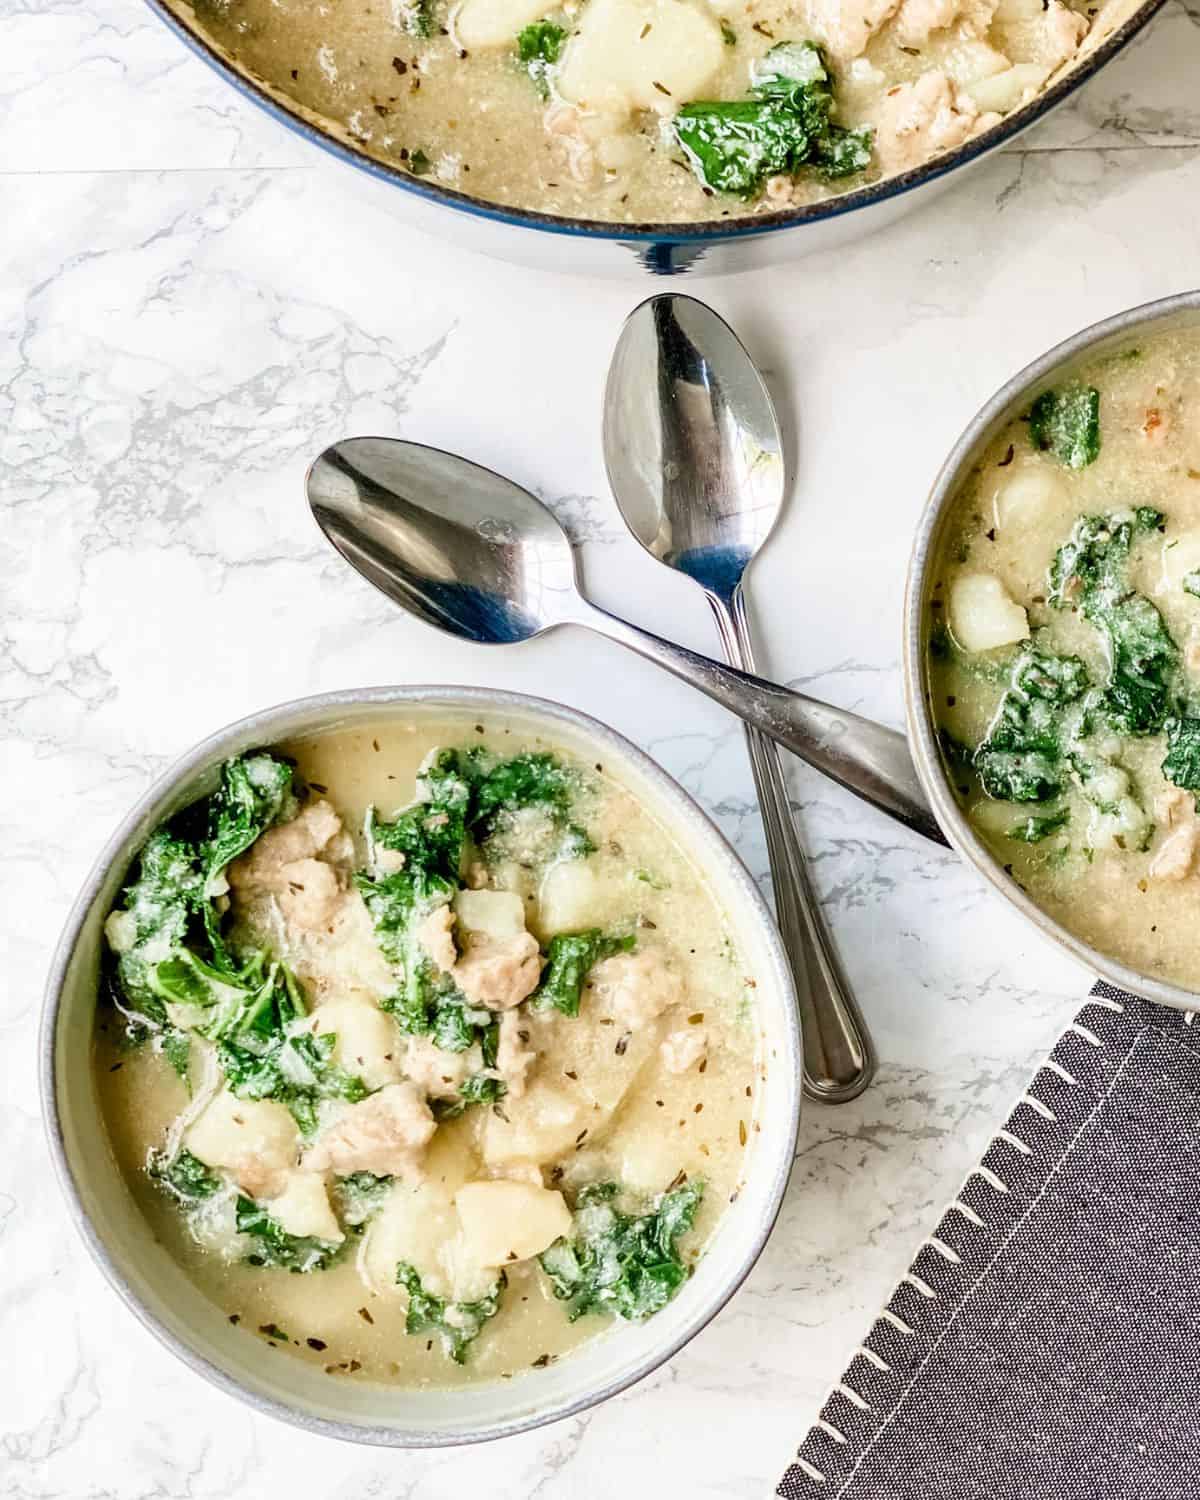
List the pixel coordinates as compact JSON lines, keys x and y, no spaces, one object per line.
{"x":695,"y":461}
{"x":466,"y":550}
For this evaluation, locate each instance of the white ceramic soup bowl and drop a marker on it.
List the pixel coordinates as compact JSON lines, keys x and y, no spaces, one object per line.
{"x":1014,"y":398}
{"x":156,"y":1289}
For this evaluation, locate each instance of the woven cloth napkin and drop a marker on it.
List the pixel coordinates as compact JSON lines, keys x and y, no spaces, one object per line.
{"x":1045,"y":1344}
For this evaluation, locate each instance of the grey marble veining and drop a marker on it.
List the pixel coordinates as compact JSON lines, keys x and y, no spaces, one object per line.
{"x":190,"y":307}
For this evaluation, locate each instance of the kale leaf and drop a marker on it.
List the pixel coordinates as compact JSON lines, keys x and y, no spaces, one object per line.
{"x":264,"y":1054}
{"x":456,"y":1324}
{"x":621,"y":1263}
{"x":1182,"y":761}
{"x":186,"y":1176}
{"x":539,"y":46}
{"x":480,"y":1088}
{"x":734,"y":146}
{"x":1090,"y":572}
{"x":416,"y":16}
{"x":1066,"y":423}
{"x":359,"y":1197}
{"x":1032,"y":829}
{"x":570,"y":956}
{"x":275,"y":1248}
{"x":167,"y":913}
{"x":1021,"y":759}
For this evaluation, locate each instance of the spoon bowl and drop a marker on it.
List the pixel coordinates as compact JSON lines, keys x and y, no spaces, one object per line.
{"x":691,"y":441}
{"x":455,"y":544}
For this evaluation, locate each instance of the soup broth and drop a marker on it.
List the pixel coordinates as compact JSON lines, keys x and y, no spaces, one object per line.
{"x":653,"y":110}
{"x":426,"y":1092}
{"x":1064,"y":666}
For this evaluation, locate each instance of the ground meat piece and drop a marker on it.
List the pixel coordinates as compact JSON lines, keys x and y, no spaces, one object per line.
{"x":315,"y":830}
{"x":514,"y":1057}
{"x":918,"y":120}
{"x":385,"y":1134}
{"x":436,"y":936}
{"x":635,"y":988}
{"x":499,"y":973}
{"x":437,"y":1073}
{"x":310,"y":893}
{"x":846,"y":26}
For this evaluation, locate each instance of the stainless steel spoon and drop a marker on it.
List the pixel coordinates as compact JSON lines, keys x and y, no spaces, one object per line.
{"x":469,"y":551}
{"x":695,"y":461}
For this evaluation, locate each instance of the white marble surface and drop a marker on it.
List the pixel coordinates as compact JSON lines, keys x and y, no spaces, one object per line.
{"x":190,"y":306}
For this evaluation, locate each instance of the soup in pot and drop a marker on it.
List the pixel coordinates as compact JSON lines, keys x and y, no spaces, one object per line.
{"x":1064,"y":649}
{"x":426,"y":1050}
{"x":653,"y":110}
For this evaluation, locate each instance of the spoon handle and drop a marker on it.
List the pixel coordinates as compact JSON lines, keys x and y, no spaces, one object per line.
{"x":864,"y":757}
{"x":839,"y":1060}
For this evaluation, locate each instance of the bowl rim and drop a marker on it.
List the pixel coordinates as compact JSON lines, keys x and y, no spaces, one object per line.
{"x":675,"y":232}
{"x":780,"y":1153}
{"x":921,"y":731}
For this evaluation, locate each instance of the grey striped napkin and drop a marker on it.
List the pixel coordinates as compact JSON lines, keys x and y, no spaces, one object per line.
{"x":1045,"y":1344}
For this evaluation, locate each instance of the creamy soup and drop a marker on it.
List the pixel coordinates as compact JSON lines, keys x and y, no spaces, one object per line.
{"x":1065,"y":652}
{"x":641,"y":110}
{"x":426,"y":1051}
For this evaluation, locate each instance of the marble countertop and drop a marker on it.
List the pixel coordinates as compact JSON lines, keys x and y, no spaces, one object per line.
{"x":190,"y":307}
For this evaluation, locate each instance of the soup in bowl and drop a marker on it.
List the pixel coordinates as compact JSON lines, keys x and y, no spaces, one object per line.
{"x":1054,"y":647}
{"x":423,"y":1064}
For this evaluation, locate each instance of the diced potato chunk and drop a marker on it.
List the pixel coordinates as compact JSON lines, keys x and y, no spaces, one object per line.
{"x":982,"y":616}
{"x":367,"y":1044}
{"x":495,"y":914}
{"x":303,"y":1208}
{"x":1005,"y":90}
{"x":256,"y":1140}
{"x":494,"y":23}
{"x":507,"y":1221}
{"x":640,"y":54}
{"x":544,"y":1123}
{"x":567,"y":897}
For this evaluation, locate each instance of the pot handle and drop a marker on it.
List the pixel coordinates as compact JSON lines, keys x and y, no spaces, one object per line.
{"x":865,"y":757}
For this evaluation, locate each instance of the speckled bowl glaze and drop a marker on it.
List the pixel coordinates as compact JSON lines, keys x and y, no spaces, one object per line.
{"x":1014,"y":398}
{"x":156,"y":1289}
{"x":744,"y":241}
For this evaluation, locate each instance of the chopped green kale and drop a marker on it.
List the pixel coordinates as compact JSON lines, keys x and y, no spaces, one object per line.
{"x":570,"y":956}
{"x":185,"y":1176}
{"x":615,"y":1262}
{"x":416,"y":17}
{"x":538,"y":48}
{"x":733,"y":146}
{"x":1090,"y":572}
{"x":177,"y":1049}
{"x":465,"y":795}
{"x":168,"y":914}
{"x":456,"y":1324}
{"x":1021,"y":760}
{"x":480,"y":1088}
{"x":1066,"y":423}
{"x":1032,"y":829}
{"x":359,"y":1197}
{"x":254,"y":1016}
{"x":1182,"y":761}
{"x":275,"y":1248}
